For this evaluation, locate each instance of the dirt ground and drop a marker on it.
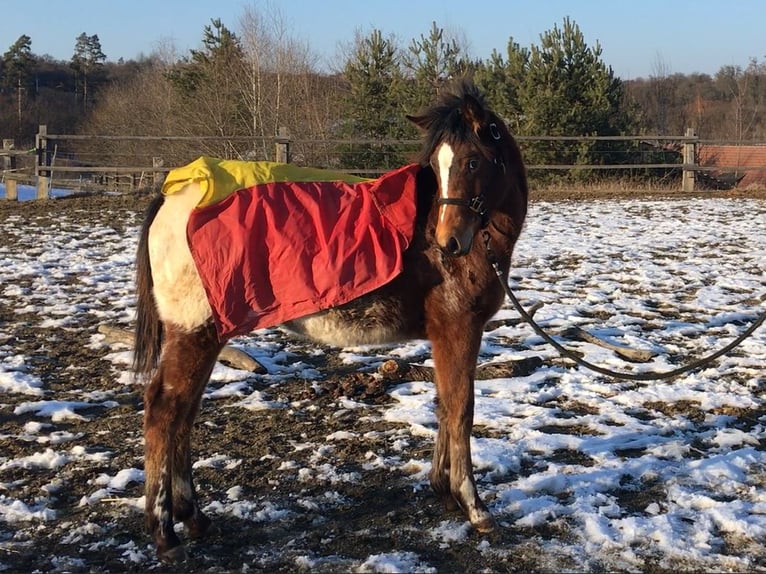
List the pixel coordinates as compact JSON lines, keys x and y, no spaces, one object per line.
{"x":384,"y":507}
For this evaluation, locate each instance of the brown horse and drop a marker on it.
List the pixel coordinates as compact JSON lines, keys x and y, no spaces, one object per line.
{"x":471,"y":194}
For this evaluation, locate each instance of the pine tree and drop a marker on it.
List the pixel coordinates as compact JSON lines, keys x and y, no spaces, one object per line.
{"x":17,"y":62}
{"x":568,"y":90}
{"x":374,"y":101}
{"x":433,"y":61}
{"x":207,"y":82}
{"x":87,"y":61}
{"x":501,"y":79}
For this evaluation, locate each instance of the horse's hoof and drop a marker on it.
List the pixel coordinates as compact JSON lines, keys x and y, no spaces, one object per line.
{"x":172,"y":555}
{"x":199,"y":526}
{"x":485,"y":524}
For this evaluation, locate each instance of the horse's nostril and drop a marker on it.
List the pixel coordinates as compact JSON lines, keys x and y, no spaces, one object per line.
{"x":453,"y":246}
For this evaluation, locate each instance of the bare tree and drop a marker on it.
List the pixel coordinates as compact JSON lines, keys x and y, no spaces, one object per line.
{"x":746,"y":89}
{"x":146,"y":105}
{"x":661,"y":94}
{"x":280,"y":87}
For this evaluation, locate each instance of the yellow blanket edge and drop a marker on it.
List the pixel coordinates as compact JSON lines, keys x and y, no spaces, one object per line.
{"x":219,"y":178}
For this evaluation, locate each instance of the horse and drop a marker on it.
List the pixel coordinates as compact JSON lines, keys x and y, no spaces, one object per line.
{"x":471,"y":201}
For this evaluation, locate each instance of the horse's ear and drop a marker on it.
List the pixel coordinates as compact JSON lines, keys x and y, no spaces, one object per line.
{"x":473,"y":113}
{"x":423,"y":122}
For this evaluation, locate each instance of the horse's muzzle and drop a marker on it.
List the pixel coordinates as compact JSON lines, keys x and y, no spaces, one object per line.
{"x":456,"y":240}
{"x":456,"y":228}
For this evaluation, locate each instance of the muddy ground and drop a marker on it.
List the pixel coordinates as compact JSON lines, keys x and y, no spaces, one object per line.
{"x":385,"y":508}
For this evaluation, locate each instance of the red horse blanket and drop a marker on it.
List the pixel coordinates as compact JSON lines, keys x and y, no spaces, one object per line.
{"x":275,"y":242}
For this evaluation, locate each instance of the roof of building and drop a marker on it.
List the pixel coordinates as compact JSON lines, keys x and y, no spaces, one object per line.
{"x":731,"y":157}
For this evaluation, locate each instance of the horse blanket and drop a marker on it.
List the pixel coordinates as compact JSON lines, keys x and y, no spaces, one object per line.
{"x":274,"y":242}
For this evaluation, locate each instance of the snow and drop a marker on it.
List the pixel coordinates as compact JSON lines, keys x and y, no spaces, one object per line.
{"x":561,"y":446}
{"x":395,"y":562}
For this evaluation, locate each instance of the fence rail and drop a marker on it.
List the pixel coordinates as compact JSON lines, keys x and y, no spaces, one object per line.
{"x":50,"y":158}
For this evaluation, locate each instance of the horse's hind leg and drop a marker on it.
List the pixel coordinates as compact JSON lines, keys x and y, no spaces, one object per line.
{"x":171,"y":402}
{"x":185,"y":506}
{"x":455,"y":349}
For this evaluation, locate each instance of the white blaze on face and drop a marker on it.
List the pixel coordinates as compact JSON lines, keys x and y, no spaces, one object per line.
{"x":444,"y":156}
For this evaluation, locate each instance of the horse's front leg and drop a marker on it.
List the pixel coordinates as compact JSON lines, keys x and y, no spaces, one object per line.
{"x":455,"y":349}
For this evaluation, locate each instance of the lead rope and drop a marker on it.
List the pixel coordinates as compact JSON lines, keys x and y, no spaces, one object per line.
{"x":564,"y":352}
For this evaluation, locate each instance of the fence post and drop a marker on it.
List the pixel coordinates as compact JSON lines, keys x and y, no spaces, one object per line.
{"x":157,"y":175}
{"x":11,"y":191}
{"x":41,"y":171}
{"x":690,"y":161}
{"x":9,"y":160}
{"x":283,"y":146}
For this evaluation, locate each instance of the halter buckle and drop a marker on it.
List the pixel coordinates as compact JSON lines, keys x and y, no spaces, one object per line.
{"x":478,"y":205}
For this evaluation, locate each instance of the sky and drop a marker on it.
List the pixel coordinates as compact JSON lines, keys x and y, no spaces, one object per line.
{"x":638,"y":38}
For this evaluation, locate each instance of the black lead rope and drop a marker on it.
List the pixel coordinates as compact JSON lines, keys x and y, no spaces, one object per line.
{"x":651,"y":376}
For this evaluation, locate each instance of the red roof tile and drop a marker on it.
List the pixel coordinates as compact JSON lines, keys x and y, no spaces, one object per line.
{"x":731,"y":157}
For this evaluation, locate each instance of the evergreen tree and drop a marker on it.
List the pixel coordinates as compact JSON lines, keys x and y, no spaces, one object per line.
{"x":220,"y":52}
{"x":569,"y":90}
{"x":16,"y":65}
{"x":207,"y":82}
{"x":374,"y":101}
{"x":432,"y":61}
{"x":501,"y":79}
{"x":87,"y":61}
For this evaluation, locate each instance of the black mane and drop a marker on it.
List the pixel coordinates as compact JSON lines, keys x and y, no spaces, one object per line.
{"x":445,"y":118}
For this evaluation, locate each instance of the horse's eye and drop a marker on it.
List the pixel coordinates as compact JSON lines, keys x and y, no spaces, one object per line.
{"x":473,"y":164}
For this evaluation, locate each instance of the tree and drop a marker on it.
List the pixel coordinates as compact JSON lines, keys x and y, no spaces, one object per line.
{"x":569,"y":91}
{"x":374,"y":100}
{"x":17,"y":62}
{"x":375,"y":83}
{"x":86,"y":61}
{"x":238,"y":86}
{"x":207,"y":83}
{"x":144,"y":103}
{"x":432,"y":61}
{"x":501,"y":79}
{"x":661,"y":94}
{"x":671,"y":103}
{"x":278,"y":86}
{"x":746,"y":90}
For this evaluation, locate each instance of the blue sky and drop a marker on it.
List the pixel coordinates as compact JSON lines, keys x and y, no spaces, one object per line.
{"x":685,"y":36}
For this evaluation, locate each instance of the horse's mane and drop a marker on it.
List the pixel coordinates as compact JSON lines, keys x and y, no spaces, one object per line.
{"x":445,"y":117}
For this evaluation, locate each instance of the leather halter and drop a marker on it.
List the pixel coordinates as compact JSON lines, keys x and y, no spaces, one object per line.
{"x":477,"y":204}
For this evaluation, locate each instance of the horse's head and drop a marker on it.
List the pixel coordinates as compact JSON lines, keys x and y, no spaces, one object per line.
{"x":474,"y":158}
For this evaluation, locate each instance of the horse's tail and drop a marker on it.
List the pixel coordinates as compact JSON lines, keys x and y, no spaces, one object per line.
{"x":148,"y":334}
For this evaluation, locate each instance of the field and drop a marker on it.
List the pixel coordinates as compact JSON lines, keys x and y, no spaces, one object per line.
{"x":321,"y":464}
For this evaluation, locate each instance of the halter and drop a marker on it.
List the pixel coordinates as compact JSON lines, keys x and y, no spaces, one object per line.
{"x":477,"y":204}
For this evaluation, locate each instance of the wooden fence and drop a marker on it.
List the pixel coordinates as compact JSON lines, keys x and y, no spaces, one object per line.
{"x":48,"y":161}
